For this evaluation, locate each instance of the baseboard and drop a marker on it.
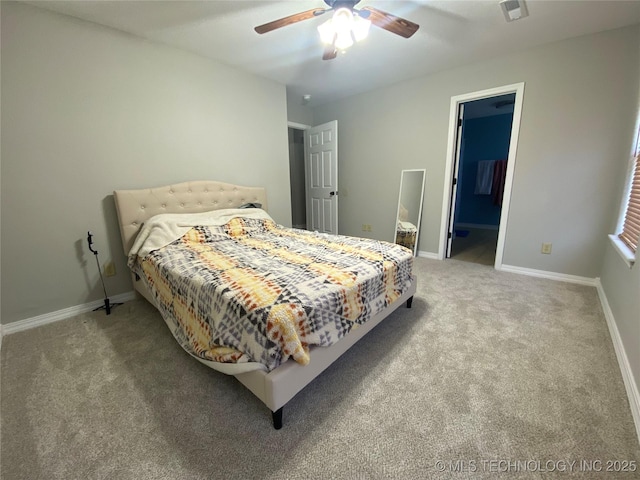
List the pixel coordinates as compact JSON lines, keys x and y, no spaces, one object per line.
{"x":561,"y":277}
{"x":58,"y":315}
{"x":433,"y":256}
{"x":625,"y":368}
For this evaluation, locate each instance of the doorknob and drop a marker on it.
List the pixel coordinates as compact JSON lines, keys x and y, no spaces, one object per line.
{"x":333,"y":193}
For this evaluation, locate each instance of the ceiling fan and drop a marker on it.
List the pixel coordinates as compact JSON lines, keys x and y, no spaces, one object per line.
{"x":347,"y":24}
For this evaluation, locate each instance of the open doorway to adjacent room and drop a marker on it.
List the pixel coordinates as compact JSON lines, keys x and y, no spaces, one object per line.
{"x":486,"y":132}
{"x":481,"y":154}
{"x":313,"y":176}
{"x":296,"y":178}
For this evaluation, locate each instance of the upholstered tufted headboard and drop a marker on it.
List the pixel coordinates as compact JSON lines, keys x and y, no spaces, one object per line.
{"x":136,"y":206}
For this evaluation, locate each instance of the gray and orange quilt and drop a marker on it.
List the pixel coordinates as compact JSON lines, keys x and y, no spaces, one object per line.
{"x":235,"y":288}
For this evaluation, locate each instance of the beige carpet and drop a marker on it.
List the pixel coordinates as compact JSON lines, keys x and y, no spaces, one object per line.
{"x":486,"y":368}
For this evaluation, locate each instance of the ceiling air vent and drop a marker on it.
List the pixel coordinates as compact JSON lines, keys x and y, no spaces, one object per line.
{"x":513,"y":9}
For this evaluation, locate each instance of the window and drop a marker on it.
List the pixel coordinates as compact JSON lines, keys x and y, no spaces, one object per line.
{"x":626,"y":242}
{"x":631,"y":226}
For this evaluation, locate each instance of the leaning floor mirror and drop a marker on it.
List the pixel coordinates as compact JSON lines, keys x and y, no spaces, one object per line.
{"x":410,"y":208}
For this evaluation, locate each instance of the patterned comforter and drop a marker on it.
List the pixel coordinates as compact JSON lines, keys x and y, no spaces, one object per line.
{"x":253,"y":291}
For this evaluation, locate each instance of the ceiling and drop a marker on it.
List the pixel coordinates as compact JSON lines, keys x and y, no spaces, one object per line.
{"x":452,"y":33}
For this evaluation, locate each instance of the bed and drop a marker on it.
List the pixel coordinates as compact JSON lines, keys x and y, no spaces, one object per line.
{"x":142,"y":211}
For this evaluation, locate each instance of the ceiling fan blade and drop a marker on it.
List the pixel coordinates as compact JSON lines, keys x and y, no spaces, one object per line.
{"x":330,"y":52}
{"x":283,"y":22}
{"x":391,"y":23}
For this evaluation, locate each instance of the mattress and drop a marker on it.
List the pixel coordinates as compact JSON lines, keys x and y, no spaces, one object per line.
{"x":240,"y":292}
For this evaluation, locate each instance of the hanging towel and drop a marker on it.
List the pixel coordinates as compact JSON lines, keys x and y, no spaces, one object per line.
{"x":484,"y":177}
{"x":499,"y":177}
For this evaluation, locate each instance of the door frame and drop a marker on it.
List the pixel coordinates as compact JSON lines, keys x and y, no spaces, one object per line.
{"x":448,"y":205}
{"x":298,"y":126}
{"x":456,"y":175}
{"x":302,"y":127}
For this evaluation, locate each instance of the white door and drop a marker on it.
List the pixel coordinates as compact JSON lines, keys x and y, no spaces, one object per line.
{"x":454,"y":186}
{"x":321,"y":175}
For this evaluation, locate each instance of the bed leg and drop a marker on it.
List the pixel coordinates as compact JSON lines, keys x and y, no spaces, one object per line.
{"x":277,"y":418}
{"x":409,"y":302}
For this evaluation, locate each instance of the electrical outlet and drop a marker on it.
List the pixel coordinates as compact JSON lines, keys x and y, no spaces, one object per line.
{"x":366,"y":227}
{"x":109,"y":269}
{"x":546,"y":248}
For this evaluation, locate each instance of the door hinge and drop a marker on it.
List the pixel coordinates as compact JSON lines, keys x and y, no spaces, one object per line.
{"x":455,"y":181}
{"x":449,"y":235}
{"x":459,"y":122}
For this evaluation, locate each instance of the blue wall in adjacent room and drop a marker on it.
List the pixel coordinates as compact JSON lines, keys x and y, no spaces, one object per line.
{"x":485,"y":138}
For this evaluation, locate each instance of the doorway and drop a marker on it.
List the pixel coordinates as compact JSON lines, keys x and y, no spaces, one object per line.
{"x":484,"y":148}
{"x":313,"y":176}
{"x":464,"y":178}
{"x":296,"y":178}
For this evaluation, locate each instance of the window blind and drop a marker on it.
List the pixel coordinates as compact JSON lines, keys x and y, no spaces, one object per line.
{"x":631,"y":227}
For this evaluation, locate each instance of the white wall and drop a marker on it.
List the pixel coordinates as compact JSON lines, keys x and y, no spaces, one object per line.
{"x":574,"y":139}
{"x":87,"y":110}
{"x":621,"y":284}
{"x":298,"y":113}
{"x":622,"y":289}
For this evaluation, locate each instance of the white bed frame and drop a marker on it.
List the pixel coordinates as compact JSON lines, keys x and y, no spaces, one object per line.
{"x":274,"y":388}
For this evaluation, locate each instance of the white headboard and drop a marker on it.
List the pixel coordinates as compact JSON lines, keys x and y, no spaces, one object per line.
{"x":136,"y":206}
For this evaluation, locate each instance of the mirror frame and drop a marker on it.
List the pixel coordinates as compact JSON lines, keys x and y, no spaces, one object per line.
{"x":395,"y":231}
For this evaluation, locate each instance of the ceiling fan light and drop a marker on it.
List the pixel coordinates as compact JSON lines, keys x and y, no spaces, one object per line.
{"x":360,"y":27}
{"x":327,"y":33}
{"x":343,"y":29}
{"x":343,"y":40}
{"x":342,"y":20}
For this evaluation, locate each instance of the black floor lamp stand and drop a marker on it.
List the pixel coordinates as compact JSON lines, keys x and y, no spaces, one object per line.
{"x":107,"y":304}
